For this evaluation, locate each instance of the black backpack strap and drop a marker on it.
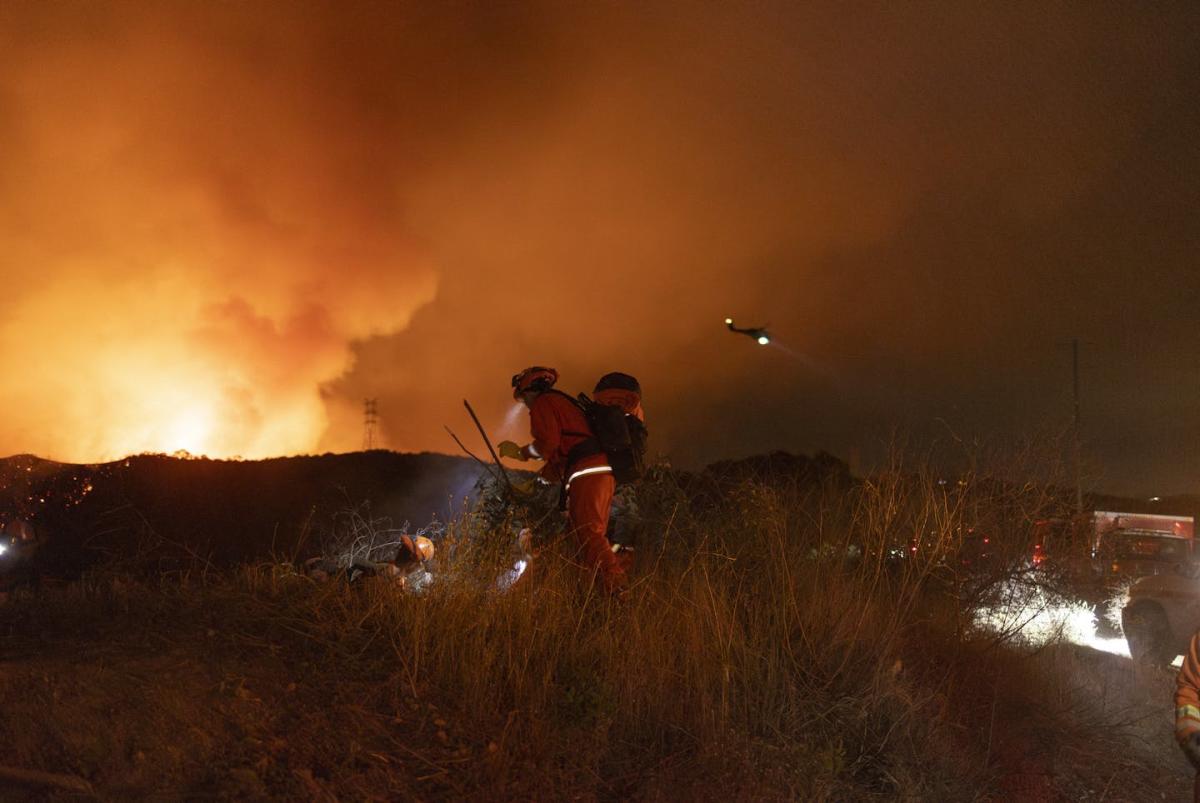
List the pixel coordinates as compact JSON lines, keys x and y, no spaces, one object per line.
{"x":585,"y":448}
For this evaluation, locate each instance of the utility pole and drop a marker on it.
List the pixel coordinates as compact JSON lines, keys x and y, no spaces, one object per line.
{"x":1075,"y":427}
{"x":370,"y":421}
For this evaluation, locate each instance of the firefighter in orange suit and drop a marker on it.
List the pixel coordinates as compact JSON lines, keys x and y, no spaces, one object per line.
{"x":1187,"y":708}
{"x":562,"y":438}
{"x":623,"y":391}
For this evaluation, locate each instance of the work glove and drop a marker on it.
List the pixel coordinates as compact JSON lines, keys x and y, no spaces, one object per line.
{"x":525,"y":488}
{"x":510,"y":449}
{"x":1191,"y":748}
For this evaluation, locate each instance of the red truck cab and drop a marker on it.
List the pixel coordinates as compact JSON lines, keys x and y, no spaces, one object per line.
{"x":1116,"y":544}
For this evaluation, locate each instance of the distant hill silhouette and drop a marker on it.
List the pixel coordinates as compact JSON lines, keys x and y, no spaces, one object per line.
{"x":229,"y":511}
{"x":223,"y":511}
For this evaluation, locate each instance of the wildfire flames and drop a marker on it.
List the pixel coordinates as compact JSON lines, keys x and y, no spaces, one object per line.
{"x":187,"y":258}
{"x":105,"y":370}
{"x":208,"y":211}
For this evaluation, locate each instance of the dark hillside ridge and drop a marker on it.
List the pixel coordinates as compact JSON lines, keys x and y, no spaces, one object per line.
{"x":173,"y":510}
{"x":222,"y":511}
{"x":779,"y":467}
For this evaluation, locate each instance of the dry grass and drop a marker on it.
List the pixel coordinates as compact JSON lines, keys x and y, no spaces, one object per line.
{"x":769,"y":650}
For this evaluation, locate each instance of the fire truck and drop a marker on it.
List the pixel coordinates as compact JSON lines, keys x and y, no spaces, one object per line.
{"x":1108,"y":545}
{"x":1104,"y":552}
{"x":1161,"y":614}
{"x":1162,"y":607}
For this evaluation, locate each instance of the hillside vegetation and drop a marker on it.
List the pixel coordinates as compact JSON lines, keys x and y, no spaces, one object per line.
{"x":218,"y":513}
{"x":773,"y":647}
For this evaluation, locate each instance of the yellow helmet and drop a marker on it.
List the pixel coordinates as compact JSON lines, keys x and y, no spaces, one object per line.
{"x":424,"y":547}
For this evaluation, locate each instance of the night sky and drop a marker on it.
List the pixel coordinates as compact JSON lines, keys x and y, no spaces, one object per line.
{"x":224,"y":225}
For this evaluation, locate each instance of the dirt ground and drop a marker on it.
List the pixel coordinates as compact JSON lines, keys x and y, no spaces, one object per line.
{"x":152,"y":709}
{"x":1110,"y":737}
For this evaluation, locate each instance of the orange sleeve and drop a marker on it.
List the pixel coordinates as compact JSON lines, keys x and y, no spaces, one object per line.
{"x":1187,"y":692}
{"x":545,"y":428}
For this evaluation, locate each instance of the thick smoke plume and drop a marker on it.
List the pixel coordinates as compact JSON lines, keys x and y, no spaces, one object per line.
{"x":226,"y":225}
{"x":194,"y":232}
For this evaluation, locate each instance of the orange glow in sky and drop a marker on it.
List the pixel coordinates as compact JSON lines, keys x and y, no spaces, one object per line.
{"x":224,"y":225}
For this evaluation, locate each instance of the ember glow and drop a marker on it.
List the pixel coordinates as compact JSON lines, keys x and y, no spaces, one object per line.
{"x":122,"y":370}
{"x":187,"y":259}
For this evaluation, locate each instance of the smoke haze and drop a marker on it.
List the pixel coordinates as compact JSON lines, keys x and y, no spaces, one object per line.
{"x":226,"y":225}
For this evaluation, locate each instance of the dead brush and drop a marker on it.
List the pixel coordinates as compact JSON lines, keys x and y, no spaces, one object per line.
{"x":354,"y":535}
{"x":777,"y":617}
{"x":773,"y":646}
{"x":767,"y":628}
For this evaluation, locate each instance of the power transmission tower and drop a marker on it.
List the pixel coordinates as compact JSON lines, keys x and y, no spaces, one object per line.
{"x":370,"y":422}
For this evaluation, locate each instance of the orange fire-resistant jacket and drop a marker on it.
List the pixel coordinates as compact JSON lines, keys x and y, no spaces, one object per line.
{"x":557,"y":425}
{"x":627,"y":400}
{"x":1187,"y":693}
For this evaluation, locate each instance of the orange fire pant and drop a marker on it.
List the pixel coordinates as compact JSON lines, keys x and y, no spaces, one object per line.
{"x":588,"y":501}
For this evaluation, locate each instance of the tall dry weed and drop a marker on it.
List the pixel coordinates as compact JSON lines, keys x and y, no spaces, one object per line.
{"x":803,"y":635}
{"x":773,"y":618}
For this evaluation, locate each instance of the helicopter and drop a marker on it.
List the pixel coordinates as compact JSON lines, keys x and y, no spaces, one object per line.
{"x":760,"y":333}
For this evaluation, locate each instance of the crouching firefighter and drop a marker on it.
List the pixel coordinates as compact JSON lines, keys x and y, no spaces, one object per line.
{"x":563,"y":438}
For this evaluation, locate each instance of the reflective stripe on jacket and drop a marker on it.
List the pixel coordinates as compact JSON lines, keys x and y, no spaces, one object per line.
{"x":1187,"y":693}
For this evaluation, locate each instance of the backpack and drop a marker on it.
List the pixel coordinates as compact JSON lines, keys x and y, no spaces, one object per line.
{"x":622,"y":438}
